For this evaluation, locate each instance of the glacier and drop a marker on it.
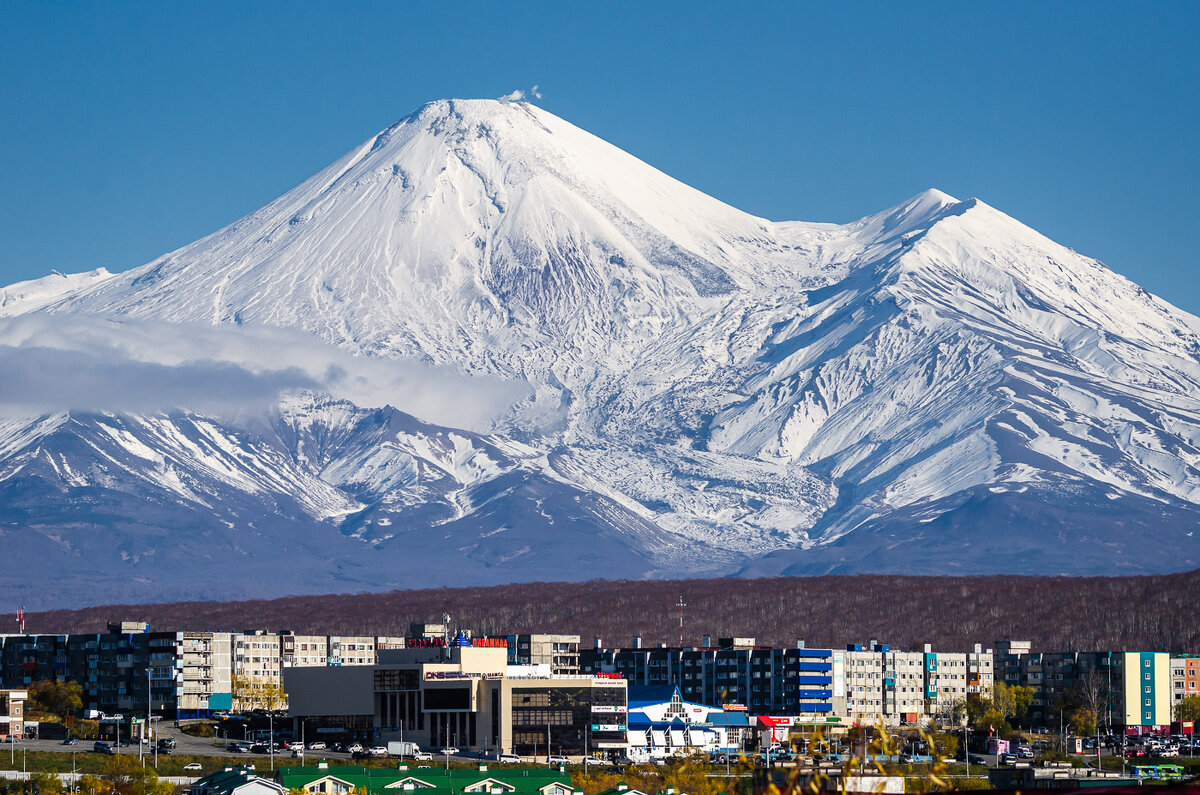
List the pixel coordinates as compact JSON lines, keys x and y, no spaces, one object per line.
{"x":936,"y":388}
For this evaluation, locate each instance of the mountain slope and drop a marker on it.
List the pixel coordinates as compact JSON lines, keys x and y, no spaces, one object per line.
{"x":935,"y":387}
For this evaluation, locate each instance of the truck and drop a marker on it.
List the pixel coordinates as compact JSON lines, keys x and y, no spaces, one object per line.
{"x":402,"y":748}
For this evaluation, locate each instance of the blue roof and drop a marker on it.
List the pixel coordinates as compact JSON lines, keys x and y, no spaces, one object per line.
{"x":643,"y":696}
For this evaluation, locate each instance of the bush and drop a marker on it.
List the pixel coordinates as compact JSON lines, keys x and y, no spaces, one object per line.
{"x":200,"y":729}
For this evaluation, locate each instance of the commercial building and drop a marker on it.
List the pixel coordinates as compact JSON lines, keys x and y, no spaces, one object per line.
{"x":465,"y":695}
{"x":12,"y":713}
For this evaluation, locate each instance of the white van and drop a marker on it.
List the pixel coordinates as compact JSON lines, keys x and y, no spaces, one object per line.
{"x":511,"y":759}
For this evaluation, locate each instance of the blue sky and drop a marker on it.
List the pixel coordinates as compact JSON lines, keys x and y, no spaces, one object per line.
{"x":132,"y":129}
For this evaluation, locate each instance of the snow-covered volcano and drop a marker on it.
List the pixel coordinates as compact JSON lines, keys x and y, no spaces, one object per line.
{"x":935,"y":388}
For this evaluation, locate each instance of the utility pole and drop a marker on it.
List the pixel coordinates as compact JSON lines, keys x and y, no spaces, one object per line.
{"x":681,"y":605}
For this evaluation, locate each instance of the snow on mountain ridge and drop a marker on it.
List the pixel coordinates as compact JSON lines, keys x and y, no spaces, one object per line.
{"x":710,"y":387}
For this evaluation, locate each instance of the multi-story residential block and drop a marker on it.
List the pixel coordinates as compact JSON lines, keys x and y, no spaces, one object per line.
{"x":792,"y":681}
{"x":203,"y":672}
{"x":303,"y":650}
{"x":351,"y":650}
{"x":256,"y":657}
{"x":560,"y":652}
{"x":1185,"y":677}
{"x":1132,"y":690}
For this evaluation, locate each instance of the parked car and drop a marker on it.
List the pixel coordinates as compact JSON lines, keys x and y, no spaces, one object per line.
{"x":558,"y":760}
{"x":354,"y":747}
{"x":449,"y":751}
{"x":511,"y":759}
{"x":193,"y":766}
{"x":317,"y":746}
{"x":259,"y":748}
{"x":1008,"y":759}
{"x":377,"y":750}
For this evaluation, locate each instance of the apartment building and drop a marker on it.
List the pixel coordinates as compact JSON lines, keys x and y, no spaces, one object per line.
{"x":351,"y":650}
{"x":560,"y":652}
{"x":1185,"y":677}
{"x":203,"y":672}
{"x":302,"y":650}
{"x":791,"y":681}
{"x":1134,"y":689}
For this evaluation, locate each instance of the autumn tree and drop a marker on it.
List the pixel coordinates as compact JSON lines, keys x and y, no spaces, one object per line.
{"x":1187,"y":709}
{"x":46,"y":783}
{"x":52,"y":698}
{"x":690,"y":775}
{"x":127,"y":777}
{"x":251,"y":693}
{"x":91,"y":785}
{"x":1087,"y":702}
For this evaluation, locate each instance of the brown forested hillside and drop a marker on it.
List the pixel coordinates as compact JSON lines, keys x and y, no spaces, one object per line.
{"x":1092,"y":613}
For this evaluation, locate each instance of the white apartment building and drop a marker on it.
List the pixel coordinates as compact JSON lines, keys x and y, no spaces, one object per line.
{"x":204,"y":675}
{"x":303,"y":651}
{"x":893,"y":687}
{"x":351,"y":650}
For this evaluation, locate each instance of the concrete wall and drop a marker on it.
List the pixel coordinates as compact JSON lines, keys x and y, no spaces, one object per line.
{"x":320,"y":692}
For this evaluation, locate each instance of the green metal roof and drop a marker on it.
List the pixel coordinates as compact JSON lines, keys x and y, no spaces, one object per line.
{"x":226,"y":781}
{"x":525,"y":781}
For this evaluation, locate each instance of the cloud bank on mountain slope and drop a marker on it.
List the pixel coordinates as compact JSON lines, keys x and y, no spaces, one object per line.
{"x":98,"y":363}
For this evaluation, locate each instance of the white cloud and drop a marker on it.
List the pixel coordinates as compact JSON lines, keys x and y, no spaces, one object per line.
{"x":520,"y":95}
{"x":91,"y":363}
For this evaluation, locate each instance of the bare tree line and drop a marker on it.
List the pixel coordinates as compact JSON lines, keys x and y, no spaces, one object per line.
{"x":1151,"y":613}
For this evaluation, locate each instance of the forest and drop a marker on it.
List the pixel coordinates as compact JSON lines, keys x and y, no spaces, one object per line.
{"x":1150,"y":613}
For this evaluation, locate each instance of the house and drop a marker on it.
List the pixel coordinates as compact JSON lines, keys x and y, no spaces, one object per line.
{"x":326,"y":780}
{"x":235,"y":781}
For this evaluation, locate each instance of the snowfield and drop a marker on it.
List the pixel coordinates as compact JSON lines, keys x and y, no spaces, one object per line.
{"x":934,"y":388}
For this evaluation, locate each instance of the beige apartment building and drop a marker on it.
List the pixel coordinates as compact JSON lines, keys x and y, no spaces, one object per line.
{"x":12,"y":713}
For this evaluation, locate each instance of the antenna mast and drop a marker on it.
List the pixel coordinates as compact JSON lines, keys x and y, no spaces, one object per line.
{"x":681,"y":605}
